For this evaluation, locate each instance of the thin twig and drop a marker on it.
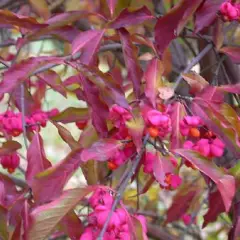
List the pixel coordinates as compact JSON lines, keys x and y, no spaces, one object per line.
{"x":23,"y":115}
{"x":123,"y":187}
{"x":193,"y":63}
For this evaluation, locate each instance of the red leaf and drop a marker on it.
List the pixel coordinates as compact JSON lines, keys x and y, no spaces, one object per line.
{"x":127,"y":18}
{"x":161,"y":166}
{"x":214,"y":209}
{"x":86,"y":37}
{"x":232,"y":52}
{"x":169,"y":26}
{"x":112,"y":5}
{"x":153,"y":77}
{"x":9,"y":18}
{"x":227,"y":188}
{"x":234,"y":88}
{"x":61,"y":21}
{"x":53,"y":80}
{"x":235,"y":230}
{"x":177,"y":114}
{"x":102,"y":150}
{"x":72,"y":114}
{"x":21,"y":71}
{"x":211,"y":94}
{"x":180,"y":205}
{"x":72,"y":225}
{"x":46,"y":217}
{"x":49,"y":184}
{"x":29,"y":103}
{"x":225,"y":183}
{"x":36,"y":158}
{"x":196,"y":82}
{"x":206,"y":14}
{"x":214,"y":119}
{"x":130,"y":58}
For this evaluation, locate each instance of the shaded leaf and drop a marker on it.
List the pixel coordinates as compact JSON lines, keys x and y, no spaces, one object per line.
{"x":126,"y":18}
{"x":102,"y":150}
{"x":196,"y":82}
{"x":178,"y":112}
{"x":36,"y":159}
{"x":4,"y":235}
{"x":9,"y":146}
{"x":90,"y":171}
{"x":235,"y":230}
{"x":66,"y":136}
{"x":72,"y":225}
{"x":232,"y":52}
{"x":153,"y":77}
{"x":62,"y":20}
{"x":169,"y":26}
{"x":41,"y":8}
{"x":130,"y":57}
{"x":45,"y":218}
{"x":110,"y":90}
{"x":206,"y":14}
{"x":225,"y":183}
{"x":218,"y":34}
{"x":214,"y":209}
{"x":181,"y":202}
{"x":72,"y":114}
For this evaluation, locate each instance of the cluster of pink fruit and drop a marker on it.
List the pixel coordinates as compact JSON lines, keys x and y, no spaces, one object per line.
{"x":11,"y":123}
{"x":200,"y":138}
{"x":119,"y":226}
{"x":157,"y":124}
{"x":230,"y":11}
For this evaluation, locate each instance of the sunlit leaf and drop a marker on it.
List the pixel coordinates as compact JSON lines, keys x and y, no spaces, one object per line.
{"x":153,"y":77}
{"x":41,"y":7}
{"x":102,"y":150}
{"x":46,"y":217}
{"x":36,"y":159}
{"x":72,"y":114}
{"x":9,"y":147}
{"x":66,"y":136}
{"x":177,"y":114}
{"x":225,"y":183}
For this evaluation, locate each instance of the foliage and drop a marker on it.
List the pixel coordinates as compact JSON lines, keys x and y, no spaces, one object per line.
{"x":157,"y":142}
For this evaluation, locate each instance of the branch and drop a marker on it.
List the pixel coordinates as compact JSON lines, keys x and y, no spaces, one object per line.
{"x":157,"y":232}
{"x":123,"y":187}
{"x":193,"y":63}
